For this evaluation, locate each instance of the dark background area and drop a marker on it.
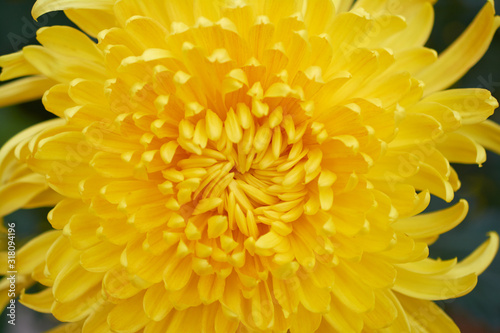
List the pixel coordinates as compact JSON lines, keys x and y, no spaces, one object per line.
{"x":477,"y":312}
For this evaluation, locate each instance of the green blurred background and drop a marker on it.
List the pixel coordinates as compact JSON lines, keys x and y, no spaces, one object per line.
{"x":478,"y":312}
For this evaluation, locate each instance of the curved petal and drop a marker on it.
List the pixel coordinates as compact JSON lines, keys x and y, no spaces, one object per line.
{"x":41,"y":301}
{"x":487,"y":134}
{"x":92,"y":21}
{"x":480,"y":259}
{"x":14,"y":65}
{"x":425,"y":316}
{"x":473,"y":105}
{"x":45,"y":6}
{"x":18,"y":193}
{"x":33,"y":253}
{"x":433,"y":224}
{"x":24,"y":90}
{"x":433,"y":287}
{"x":453,"y":63}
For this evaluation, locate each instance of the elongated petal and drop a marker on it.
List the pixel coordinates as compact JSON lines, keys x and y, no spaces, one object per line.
{"x":44,"y":6}
{"x":24,"y":90}
{"x":63,"y":290}
{"x":18,"y":193}
{"x":41,"y":301}
{"x":156,"y":303}
{"x":14,"y":65}
{"x":92,"y":21}
{"x":460,"y":148}
{"x":473,"y":105}
{"x":120,"y":318}
{"x":486,"y":134}
{"x":463,"y":53}
{"x":435,"y":287}
{"x":480,"y":259}
{"x":433,"y":224}
{"x":33,"y":253}
{"x":69,"y":41}
{"x":427,"y":316}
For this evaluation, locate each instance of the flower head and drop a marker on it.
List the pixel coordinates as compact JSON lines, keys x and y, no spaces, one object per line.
{"x":244,"y":165}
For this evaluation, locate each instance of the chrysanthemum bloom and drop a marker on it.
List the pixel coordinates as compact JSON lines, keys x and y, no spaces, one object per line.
{"x":246,"y":165}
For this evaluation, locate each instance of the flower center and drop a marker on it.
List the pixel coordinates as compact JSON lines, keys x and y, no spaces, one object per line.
{"x":247,"y":169}
{"x":238,"y":167}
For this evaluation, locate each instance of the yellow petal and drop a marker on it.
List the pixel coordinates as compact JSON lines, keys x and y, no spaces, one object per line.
{"x":33,"y":253}
{"x":233,"y":128}
{"x":188,"y":320}
{"x":91,"y":21}
{"x":473,"y":105}
{"x":14,"y":65}
{"x":319,"y":15}
{"x":117,"y":284}
{"x":8,"y":155}
{"x":425,"y":316}
{"x":128,"y":316}
{"x":144,"y":264}
{"x":276,"y":9}
{"x":63,"y":68}
{"x":406,"y":249}
{"x":187,"y":297}
{"x":24,"y":90}
{"x":147,"y":32}
{"x":101,"y":257}
{"x":433,"y":224}
{"x":82,"y":231}
{"x":373,"y":271}
{"x":428,"y":178}
{"x":358,"y":297}
{"x":433,"y":287}
{"x":430,"y":266}
{"x":156,"y":303}
{"x":111,"y":165}
{"x":415,"y":129}
{"x":73,"y":281}
{"x":69,"y":41}
{"x":457,"y":59}
{"x":177,"y":273}
{"x":284,"y":292}
{"x":78,"y":308}
{"x":402,"y":322}
{"x":262,"y":308}
{"x":211,"y":288}
{"x":304,"y":321}
{"x":323,"y":275}
{"x":480,"y":259}
{"x":314,"y":299}
{"x":224,"y":323}
{"x":460,"y":148}
{"x":343,"y":5}
{"x":41,"y":301}
{"x":18,"y":193}
{"x":59,"y":216}
{"x":47,"y":198}
{"x":419,"y":26}
{"x":58,"y":256}
{"x":44,"y":6}
{"x":96,"y":321}
{"x":384,"y":312}
{"x":414,"y":60}
{"x":342,"y":319}
{"x":486,"y":134}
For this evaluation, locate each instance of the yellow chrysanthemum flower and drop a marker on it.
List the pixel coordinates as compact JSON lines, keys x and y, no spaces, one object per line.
{"x":245,"y":165}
